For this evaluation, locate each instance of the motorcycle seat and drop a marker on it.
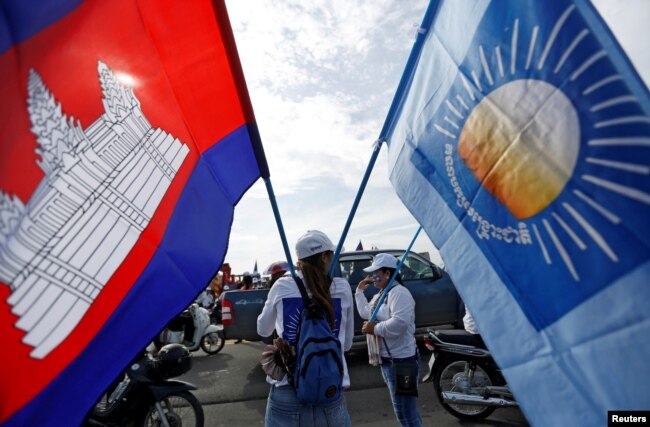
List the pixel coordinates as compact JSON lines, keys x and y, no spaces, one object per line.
{"x":461,"y":336}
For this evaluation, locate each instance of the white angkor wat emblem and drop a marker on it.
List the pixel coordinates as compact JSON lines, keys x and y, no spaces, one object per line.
{"x":101,"y":187}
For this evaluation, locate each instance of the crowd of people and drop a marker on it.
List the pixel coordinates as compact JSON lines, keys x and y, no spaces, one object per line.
{"x":255,"y":281}
{"x":209,"y":297}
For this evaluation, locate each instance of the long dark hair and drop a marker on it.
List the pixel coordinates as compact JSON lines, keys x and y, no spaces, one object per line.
{"x":318,"y":283}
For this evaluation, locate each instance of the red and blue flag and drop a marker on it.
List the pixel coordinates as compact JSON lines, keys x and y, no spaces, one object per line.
{"x":520,"y":140}
{"x":126,"y":138}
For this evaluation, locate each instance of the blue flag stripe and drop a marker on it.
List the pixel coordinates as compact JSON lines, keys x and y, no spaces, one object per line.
{"x":24,"y":18}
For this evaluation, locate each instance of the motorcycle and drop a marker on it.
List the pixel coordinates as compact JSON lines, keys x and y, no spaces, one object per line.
{"x":466,"y":380}
{"x":146,"y":396}
{"x":208,"y":336}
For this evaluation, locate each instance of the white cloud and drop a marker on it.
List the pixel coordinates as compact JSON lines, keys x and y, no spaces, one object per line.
{"x":320,"y":85}
{"x":283,"y":40}
{"x":311,"y":139}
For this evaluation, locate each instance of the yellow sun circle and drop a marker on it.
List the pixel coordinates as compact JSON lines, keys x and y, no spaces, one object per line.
{"x":521,"y":142}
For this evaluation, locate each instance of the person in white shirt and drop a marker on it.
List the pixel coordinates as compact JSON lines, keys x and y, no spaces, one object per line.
{"x":395,"y":329}
{"x":206,"y":299}
{"x":281,"y":313}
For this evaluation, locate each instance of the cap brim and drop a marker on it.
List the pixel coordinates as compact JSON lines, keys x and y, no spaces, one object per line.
{"x":371,"y":268}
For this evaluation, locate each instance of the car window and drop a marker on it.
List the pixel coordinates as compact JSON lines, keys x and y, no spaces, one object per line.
{"x":350,"y":267}
{"x":414,"y":268}
{"x":352,"y":270}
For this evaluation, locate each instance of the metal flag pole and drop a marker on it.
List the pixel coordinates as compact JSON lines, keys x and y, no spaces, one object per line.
{"x":278,"y":221}
{"x":395,"y":106}
{"x":373,"y":158}
{"x":391,"y":282}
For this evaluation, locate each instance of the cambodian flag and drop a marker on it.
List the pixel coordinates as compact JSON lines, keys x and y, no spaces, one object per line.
{"x":126,"y":138}
{"x":520,"y":140}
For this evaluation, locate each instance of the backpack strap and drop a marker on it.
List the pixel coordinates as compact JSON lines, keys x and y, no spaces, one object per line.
{"x":303,"y":291}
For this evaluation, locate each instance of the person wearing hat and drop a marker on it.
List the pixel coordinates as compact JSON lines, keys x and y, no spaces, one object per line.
{"x":394,"y":330}
{"x":281,"y":313}
{"x":276,"y":271}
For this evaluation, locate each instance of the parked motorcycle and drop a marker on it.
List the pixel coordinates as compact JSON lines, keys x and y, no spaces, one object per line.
{"x":206,"y":335}
{"x":146,"y":396}
{"x":467,"y":381}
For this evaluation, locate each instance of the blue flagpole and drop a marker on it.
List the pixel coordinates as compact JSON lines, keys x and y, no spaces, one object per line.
{"x":355,"y":205}
{"x":391,"y":282}
{"x":396,"y":105}
{"x":278,"y":221}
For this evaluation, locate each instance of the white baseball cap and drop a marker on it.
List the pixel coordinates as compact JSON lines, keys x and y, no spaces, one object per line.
{"x":311,"y":243}
{"x":382,"y":261}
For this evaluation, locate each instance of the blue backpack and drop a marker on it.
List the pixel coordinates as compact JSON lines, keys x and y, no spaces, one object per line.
{"x":318,"y":372}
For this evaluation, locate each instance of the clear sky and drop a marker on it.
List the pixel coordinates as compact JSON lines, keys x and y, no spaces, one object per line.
{"x":321,"y":76}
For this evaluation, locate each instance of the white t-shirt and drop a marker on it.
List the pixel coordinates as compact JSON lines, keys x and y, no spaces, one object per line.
{"x":282,"y":313}
{"x":396,"y":321}
{"x":468,"y":322}
{"x":205,"y":300}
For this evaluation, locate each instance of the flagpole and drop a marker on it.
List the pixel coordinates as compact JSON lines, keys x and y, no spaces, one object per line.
{"x":395,"y":106}
{"x":355,"y":204}
{"x":278,"y":221}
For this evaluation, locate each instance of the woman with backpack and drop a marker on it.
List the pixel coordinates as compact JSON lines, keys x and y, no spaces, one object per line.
{"x":391,"y":340}
{"x":285,"y":311}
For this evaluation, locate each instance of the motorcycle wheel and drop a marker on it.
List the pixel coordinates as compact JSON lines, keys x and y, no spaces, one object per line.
{"x":451,"y":376}
{"x":213,"y":342}
{"x":181,"y":408}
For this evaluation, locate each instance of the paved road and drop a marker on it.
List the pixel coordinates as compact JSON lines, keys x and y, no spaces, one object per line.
{"x":233,"y":391}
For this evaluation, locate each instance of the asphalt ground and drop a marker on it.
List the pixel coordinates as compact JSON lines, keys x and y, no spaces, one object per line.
{"x":233,"y":391}
{"x":369,"y":407}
